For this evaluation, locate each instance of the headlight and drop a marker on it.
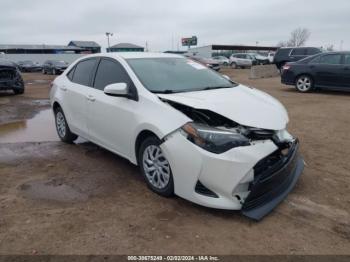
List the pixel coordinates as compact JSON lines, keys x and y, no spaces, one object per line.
{"x":213,"y":139}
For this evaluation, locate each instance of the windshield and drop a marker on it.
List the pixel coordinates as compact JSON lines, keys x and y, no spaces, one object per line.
{"x":171,"y":75}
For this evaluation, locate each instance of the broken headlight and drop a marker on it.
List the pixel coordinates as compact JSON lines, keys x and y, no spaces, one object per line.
{"x":213,"y":139}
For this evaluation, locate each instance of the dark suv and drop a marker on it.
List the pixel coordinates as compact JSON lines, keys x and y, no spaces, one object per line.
{"x":293,"y":54}
{"x":10,"y":77}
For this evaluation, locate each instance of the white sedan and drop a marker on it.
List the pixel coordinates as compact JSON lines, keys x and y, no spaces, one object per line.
{"x":192,"y":131}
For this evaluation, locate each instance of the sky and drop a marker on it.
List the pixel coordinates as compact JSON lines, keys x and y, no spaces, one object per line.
{"x":162,"y":23}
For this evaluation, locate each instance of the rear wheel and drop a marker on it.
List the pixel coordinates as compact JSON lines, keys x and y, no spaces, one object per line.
{"x":304,"y":83}
{"x":155,"y":167}
{"x":233,"y":65}
{"x":62,"y":127}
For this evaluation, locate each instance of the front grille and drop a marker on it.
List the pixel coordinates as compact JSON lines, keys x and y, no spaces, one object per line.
{"x":203,"y":190}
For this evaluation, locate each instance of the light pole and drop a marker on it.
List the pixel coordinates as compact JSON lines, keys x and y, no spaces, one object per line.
{"x":108,"y":34}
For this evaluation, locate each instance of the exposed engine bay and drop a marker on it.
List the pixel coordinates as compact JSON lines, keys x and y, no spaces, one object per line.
{"x":213,"y":119}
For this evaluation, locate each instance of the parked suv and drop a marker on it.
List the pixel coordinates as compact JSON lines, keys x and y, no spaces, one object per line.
{"x":293,"y":54}
{"x":54,"y":67}
{"x":10,"y":77}
{"x":242,"y":60}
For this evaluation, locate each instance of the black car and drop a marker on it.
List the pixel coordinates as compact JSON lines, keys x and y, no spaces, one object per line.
{"x":293,"y":54}
{"x":325,"y":71}
{"x":10,"y":77}
{"x":28,"y":66}
{"x":54,"y":67}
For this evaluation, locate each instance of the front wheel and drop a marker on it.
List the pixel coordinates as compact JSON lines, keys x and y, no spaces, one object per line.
{"x":155,"y":167}
{"x":304,"y":83}
{"x":62,"y":127}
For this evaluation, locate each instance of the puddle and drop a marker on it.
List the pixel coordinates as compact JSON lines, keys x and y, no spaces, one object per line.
{"x":54,"y":189}
{"x":40,"y":128}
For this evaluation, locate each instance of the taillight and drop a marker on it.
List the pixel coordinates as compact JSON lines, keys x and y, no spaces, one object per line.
{"x":285,"y":67}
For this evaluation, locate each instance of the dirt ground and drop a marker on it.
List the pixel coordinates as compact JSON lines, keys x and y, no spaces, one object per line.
{"x":80,"y":199}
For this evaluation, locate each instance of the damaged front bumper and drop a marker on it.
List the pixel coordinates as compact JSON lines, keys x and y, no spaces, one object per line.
{"x":253,"y":179}
{"x":273,"y":180}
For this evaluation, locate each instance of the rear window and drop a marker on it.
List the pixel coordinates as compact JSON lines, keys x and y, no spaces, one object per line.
{"x":312,"y":51}
{"x":333,"y":59}
{"x":283,"y":52}
{"x":298,"y":51}
{"x":347,"y":59}
{"x":83,"y":72}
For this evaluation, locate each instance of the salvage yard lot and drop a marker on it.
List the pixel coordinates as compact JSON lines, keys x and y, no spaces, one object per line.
{"x":80,"y":199}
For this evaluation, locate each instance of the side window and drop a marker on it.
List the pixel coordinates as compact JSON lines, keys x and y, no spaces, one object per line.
{"x":298,"y":51}
{"x":347,"y":59}
{"x":70,"y":74}
{"x":110,"y":72}
{"x":83,"y":72}
{"x":312,"y":51}
{"x":330,"y":59}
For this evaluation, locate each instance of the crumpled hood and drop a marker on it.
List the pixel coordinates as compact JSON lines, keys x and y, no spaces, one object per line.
{"x":244,"y":105}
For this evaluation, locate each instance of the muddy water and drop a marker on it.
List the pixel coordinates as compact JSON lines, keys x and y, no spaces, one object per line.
{"x":40,"y":128}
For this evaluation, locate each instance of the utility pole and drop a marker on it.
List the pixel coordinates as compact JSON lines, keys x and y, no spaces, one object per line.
{"x":108,"y":34}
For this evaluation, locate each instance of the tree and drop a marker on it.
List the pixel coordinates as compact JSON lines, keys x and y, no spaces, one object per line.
{"x":298,"y":37}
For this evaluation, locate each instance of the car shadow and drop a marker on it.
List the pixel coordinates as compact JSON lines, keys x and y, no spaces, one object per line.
{"x":320,"y":92}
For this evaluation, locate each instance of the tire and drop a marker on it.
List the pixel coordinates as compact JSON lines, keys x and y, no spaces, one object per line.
{"x":233,"y":65}
{"x":43,"y":71}
{"x":155,"y":168}
{"x":19,"y":89}
{"x":225,"y":64}
{"x":62,"y":128}
{"x":304,"y":83}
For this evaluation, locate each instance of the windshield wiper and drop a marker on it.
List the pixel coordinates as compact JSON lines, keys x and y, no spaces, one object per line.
{"x":166,"y":91}
{"x":215,"y":87}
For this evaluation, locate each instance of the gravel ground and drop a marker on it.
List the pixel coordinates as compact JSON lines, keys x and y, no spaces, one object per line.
{"x":80,"y":199}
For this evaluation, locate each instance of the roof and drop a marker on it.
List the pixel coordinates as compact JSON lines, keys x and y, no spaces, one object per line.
{"x":40,"y":47}
{"x":125,"y":45}
{"x":134,"y":55}
{"x":84,"y":43}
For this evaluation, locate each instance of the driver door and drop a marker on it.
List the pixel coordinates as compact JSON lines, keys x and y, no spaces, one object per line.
{"x":111,"y":119}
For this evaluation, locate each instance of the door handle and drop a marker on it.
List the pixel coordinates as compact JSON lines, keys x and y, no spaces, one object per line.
{"x":90,"y":98}
{"x":63,"y":88}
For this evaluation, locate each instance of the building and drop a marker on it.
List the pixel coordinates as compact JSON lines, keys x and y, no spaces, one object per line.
{"x":89,"y":46}
{"x":226,"y":50}
{"x":39,"y":49}
{"x":125,"y":47}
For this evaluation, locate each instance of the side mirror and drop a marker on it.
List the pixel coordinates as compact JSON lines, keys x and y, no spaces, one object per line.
{"x":227,"y":77}
{"x":117,"y":89}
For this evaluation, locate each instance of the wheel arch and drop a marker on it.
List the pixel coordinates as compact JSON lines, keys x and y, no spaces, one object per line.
{"x":305,"y":74}
{"x":140,"y":138}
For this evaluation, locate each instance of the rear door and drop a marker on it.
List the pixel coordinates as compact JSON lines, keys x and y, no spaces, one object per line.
{"x":327,"y":70}
{"x":346,"y":70}
{"x":75,"y":89}
{"x":111,"y":119}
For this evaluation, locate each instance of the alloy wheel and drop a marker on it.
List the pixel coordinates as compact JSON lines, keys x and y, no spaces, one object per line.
{"x":156,"y":167}
{"x":60,"y":124}
{"x":304,"y":83}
